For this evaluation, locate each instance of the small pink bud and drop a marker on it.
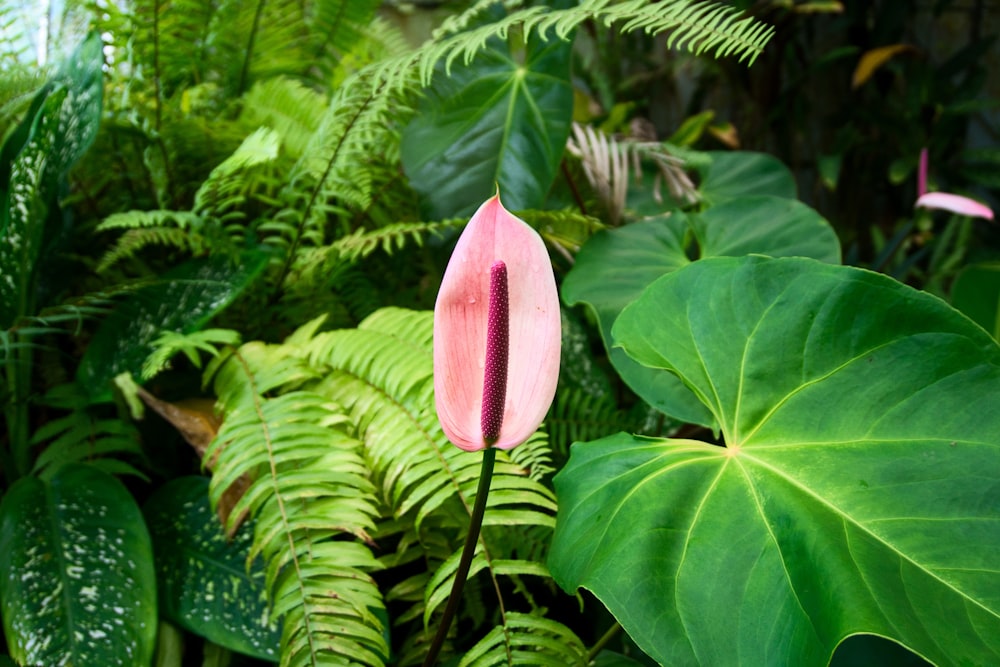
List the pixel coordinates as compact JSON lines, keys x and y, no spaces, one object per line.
{"x":496,"y":333}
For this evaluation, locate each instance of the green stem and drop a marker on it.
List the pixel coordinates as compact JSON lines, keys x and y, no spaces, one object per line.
{"x":475,"y":524}
{"x":615,"y":628}
{"x":169,"y":646}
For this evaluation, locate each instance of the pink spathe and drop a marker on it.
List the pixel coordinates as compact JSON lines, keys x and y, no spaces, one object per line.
{"x":461,"y":317}
{"x":946,"y":201}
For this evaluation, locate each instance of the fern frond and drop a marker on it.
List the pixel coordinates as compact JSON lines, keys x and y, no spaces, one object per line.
{"x":527,"y":639}
{"x":566,"y":230}
{"x":339,"y":26}
{"x":577,"y":415}
{"x":695,"y":25}
{"x":381,"y":373}
{"x":334,"y":176}
{"x":171,"y":343}
{"x":606,"y":166}
{"x":290,"y":108}
{"x":83,"y":435}
{"x":390,"y":238}
{"x":224,"y":192}
{"x":310,"y":489}
{"x":133,"y":241}
{"x":534,"y":456}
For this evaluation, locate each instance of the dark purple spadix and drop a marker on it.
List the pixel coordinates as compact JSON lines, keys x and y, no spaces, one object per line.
{"x":497,"y":346}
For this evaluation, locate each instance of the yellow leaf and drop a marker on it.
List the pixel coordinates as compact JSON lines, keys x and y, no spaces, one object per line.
{"x":872,"y":60}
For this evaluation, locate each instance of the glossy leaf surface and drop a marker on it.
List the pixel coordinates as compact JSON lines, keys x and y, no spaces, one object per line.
{"x":60,"y":126}
{"x":495,"y":121}
{"x":856,"y":493}
{"x":78,"y":586}
{"x":203,"y":578}
{"x":183,"y":300}
{"x":615,"y":266}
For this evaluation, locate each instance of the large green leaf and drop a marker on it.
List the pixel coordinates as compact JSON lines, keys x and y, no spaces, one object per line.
{"x":615,"y":266}
{"x":204,"y":583}
{"x":60,"y":126}
{"x":495,"y":121}
{"x":78,"y":586}
{"x":730,"y":175}
{"x":182,"y":300}
{"x":857,"y":491}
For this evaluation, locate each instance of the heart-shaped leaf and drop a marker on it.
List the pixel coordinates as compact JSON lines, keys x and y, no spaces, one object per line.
{"x":495,"y":121}
{"x":857,"y":491}
{"x":615,"y":266}
{"x":78,"y":586}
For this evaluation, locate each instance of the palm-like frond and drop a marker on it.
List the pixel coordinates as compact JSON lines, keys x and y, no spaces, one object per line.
{"x":608,"y":163}
{"x":310,"y":489}
{"x":696,"y":25}
{"x":81,"y":434}
{"x":527,"y":639}
{"x":577,"y":416}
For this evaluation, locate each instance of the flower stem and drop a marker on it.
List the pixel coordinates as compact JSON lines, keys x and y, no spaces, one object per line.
{"x":475,"y":524}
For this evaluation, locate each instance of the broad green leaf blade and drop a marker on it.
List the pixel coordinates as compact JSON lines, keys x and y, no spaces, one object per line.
{"x":610,"y":272}
{"x":183,"y":300}
{"x":61,"y":125}
{"x":729,"y":175}
{"x":204,"y":583}
{"x":78,"y":586}
{"x":492,"y":122}
{"x":857,"y":492}
{"x":765,"y":225}
{"x":615,"y":266}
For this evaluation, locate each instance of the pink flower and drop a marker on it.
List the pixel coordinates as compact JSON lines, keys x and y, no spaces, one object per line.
{"x":945,"y":201}
{"x":496,"y":333}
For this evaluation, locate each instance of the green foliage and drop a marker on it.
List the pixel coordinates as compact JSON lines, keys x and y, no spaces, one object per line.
{"x":84,"y":434}
{"x":338,"y":432}
{"x":853,"y":490}
{"x":501,"y":121}
{"x":614,"y":268}
{"x":79,"y":586}
{"x":34,"y":161}
{"x":698,"y":26}
{"x":171,"y":343}
{"x":204,"y":583}
{"x":182,"y":301}
{"x":976,"y":292}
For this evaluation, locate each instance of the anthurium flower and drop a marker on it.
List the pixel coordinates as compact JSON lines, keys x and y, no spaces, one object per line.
{"x":496,"y":333}
{"x":946,"y":201}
